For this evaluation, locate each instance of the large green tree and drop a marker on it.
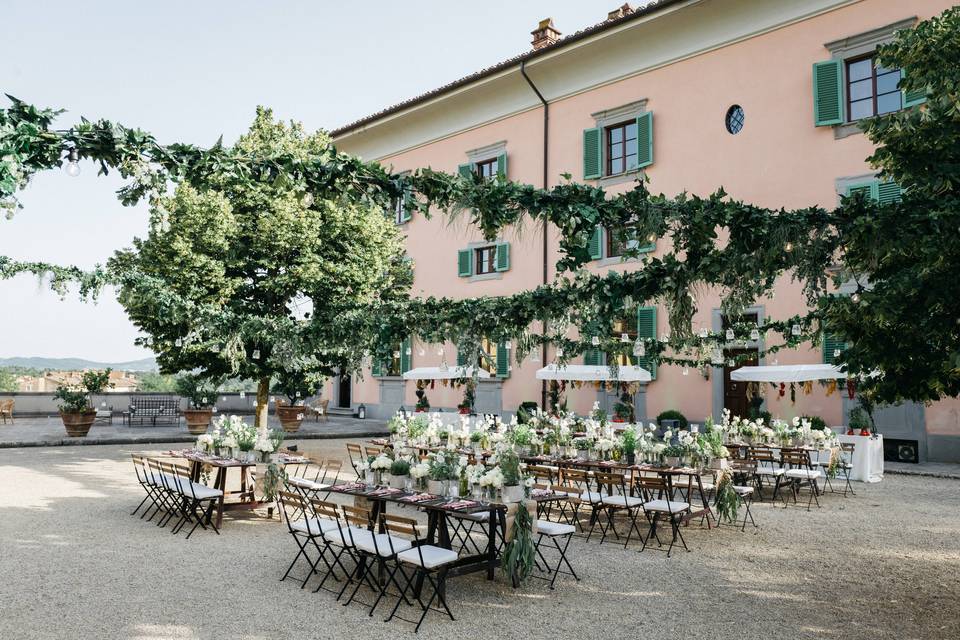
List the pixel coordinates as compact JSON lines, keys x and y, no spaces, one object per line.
{"x":255,"y":251}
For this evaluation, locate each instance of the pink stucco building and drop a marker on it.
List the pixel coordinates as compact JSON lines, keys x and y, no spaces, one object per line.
{"x":758,"y":97}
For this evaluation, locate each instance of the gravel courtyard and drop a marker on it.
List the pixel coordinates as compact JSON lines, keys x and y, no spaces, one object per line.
{"x":881,"y":564}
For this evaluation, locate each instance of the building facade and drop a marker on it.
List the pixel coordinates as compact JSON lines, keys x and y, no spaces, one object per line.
{"x":760,"y":98}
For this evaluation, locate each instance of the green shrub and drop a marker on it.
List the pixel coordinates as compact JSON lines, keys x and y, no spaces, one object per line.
{"x":673,"y":414}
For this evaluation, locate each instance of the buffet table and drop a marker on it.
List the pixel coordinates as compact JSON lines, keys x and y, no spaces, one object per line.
{"x":867,"y":457}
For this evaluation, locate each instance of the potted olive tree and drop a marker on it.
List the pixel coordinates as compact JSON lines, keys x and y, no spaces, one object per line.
{"x":200,"y":396}
{"x":75,"y":409}
{"x":297,"y":387}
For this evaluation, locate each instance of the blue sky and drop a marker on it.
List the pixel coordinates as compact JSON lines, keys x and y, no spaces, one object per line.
{"x":190,"y":71}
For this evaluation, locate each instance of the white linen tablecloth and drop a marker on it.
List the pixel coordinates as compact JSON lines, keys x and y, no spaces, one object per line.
{"x":867,"y":457}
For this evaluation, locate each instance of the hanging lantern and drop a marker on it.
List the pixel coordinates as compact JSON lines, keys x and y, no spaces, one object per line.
{"x":686,"y":370}
{"x":507,"y":345}
{"x":178,"y":342}
{"x":421,"y":352}
{"x":595,"y":341}
{"x":836,"y":353}
{"x":855,"y":298}
{"x":624,"y":337}
{"x":408,"y":351}
{"x":256,"y":354}
{"x":730,"y":334}
{"x":788,"y":247}
{"x":638,"y":347}
{"x":396,"y":354}
{"x":755,"y":334}
{"x":703,"y":333}
{"x":559,"y":353}
{"x":795,"y":330}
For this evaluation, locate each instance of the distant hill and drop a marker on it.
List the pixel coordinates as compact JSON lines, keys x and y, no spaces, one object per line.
{"x":70,"y":364}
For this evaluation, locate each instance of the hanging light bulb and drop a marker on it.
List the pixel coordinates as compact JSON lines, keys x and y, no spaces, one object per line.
{"x":408,"y":351}
{"x":788,"y":247}
{"x":595,"y":341}
{"x":855,"y":298}
{"x":730,"y":334}
{"x":686,"y":370}
{"x":624,"y":337}
{"x":72,"y":168}
{"x":652,"y":238}
{"x":754,"y":334}
{"x":256,"y":354}
{"x":795,"y":330}
{"x":836,"y":353}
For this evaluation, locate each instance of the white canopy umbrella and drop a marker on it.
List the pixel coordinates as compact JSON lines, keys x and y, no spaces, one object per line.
{"x":788,"y":373}
{"x":592,"y":373}
{"x":443,"y":373}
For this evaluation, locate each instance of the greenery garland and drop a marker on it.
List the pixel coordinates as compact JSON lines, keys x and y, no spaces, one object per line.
{"x":520,"y":553}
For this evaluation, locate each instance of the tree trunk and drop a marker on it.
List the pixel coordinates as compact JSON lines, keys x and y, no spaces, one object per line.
{"x":263,"y":402}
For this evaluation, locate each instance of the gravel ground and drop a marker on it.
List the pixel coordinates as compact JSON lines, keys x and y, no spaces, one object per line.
{"x":881,"y":564}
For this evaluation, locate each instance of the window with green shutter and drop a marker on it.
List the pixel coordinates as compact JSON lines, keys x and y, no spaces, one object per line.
{"x":833,"y":346}
{"x":503,"y":360}
{"x":465,"y":263}
{"x":461,"y":358}
{"x":593,"y":357}
{"x":592,"y":157}
{"x":406,"y":355}
{"x":596,"y":244}
{"x":870,"y":188}
{"x":645,"y":140}
{"x":503,"y":256}
{"x":828,"y":93}
{"x":880,"y":192}
{"x":465,"y":170}
{"x":912,"y":98}
{"x":647,"y":328}
{"x":502,"y":165}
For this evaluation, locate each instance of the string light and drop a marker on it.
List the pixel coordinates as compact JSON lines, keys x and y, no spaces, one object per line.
{"x":72,"y":168}
{"x":788,"y":247}
{"x":855,"y":298}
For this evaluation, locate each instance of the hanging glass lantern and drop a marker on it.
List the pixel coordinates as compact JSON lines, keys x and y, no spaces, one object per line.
{"x":507,"y":345}
{"x":178,"y":342}
{"x":595,"y":341}
{"x":559,"y":353}
{"x":256,"y":354}
{"x":396,"y":354}
{"x":730,"y":334}
{"x":836,"y":353}
{"x":686,"y":370}
{"x":754,"y":334}
{"x":795,"y":330}
{"x":703,"y":333}
{"x":408,"y":351}
{"x":624,"y":337}
{"x":855,"y":298}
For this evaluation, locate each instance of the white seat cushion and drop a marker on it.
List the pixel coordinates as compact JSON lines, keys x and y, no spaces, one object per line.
{"x":743,"y":491}
{"x":666,"y":506}
{"x":551,"y":529}
{"x":591,"y":496}
{"x":341,"y":536}
{"x":432,"y":556}
{"x":310,"y":485}
{"x":802,"y":474}
{"x":707,"y":486}
{"x":622,"y":501}
{"x":315,"y":526}
{"x":767,"y":471}
{"x":380,"y":544}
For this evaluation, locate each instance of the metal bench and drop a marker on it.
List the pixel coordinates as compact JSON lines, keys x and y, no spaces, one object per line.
{"x":154,"y":410}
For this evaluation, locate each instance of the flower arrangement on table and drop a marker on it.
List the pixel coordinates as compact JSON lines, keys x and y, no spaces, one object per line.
{"x":420,"y":472}
{"x":231,"y":436}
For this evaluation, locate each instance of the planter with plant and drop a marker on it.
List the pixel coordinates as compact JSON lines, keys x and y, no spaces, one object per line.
{"x":297,"y":386}
{"x":673,"y":454}
{"x":469,"y":397}
{"x":76,"y":411}
{"x":399,"y":471}
{"x":510,"y":467}
{"x":200,"y":395}
{"x":443,"y":470}
{"x":423,"y":404}
{"x":628,"y":444}
{"x":673,"y":414}
{"x":623,"y":409}
{"x":582,"y":445}
{"x":859,"y":423}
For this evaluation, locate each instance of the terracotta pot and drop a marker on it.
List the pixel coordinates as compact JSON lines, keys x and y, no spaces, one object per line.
{"x":290,"y":417}
{"x":78,"y":424}
{"x":465,"y":411}
{"x":197,"y":420}
{"x":865,"y":432}
{"x":618,"y":419}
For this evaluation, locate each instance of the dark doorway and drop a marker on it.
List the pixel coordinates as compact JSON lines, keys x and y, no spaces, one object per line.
{"x":735,"y":393}
{"x":343,"y":391}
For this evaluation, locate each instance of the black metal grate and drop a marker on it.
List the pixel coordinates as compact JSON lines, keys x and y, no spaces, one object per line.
{"x":734,"y":120}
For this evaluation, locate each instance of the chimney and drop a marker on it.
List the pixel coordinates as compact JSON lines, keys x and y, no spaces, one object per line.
{"x":545,"y":34}
{"x":619,"y":12}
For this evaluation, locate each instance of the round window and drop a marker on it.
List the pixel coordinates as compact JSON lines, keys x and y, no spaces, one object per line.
{"x":734,"y":119}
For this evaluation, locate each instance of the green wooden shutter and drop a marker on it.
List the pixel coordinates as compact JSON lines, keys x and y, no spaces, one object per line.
{"x":465,"y":263}
{"x":647,"y":328}
{"x":502,"y":165}
{"x":376,"y":367}
{"x":503,"y":361}
{"x":502,"y":261}
{"x":827,"y":93}
{"x":407,"y":201}
{"x":465,"y":170}
{"x":592,"y":157}
{"x":888,"y":192}
{"x":461,"y":358}
{"x":596,"y":244}
{"x":645,"y":140}
{"x":406,"y":355}
{"x":912,"y":98}
{"x":591,"y":356}
{"x":869,"y":187}
{"x":832,"y":343}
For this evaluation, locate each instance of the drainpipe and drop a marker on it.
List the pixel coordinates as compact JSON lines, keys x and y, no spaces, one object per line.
{"x":546,"y":146}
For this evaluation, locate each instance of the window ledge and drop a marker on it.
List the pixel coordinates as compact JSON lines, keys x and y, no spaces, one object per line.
{"x":497,"y":275}
{"x":619,"y":178}
{"x":845,"y":130}
{"x":612,"y":260}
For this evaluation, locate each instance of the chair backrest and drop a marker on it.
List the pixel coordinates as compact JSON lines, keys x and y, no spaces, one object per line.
{"x":748,"y":467}
{"x":291,"y":505}
{"x":795,"y":458}
{"x":6,"y":406}
{"x":331,"y":469}
{"x":610,"y":484}
{"x":848,"y":447}
{"x":140,"y":467}
{"x":356,"y":516}
{"x":760,"y":454}
{"x":325,"y":509}
{"x":355,"y":452}
{"x":651,"y":487}
{"x":577,"y":478}
{"x":372,"y":451}
{"x":541,"y":472}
